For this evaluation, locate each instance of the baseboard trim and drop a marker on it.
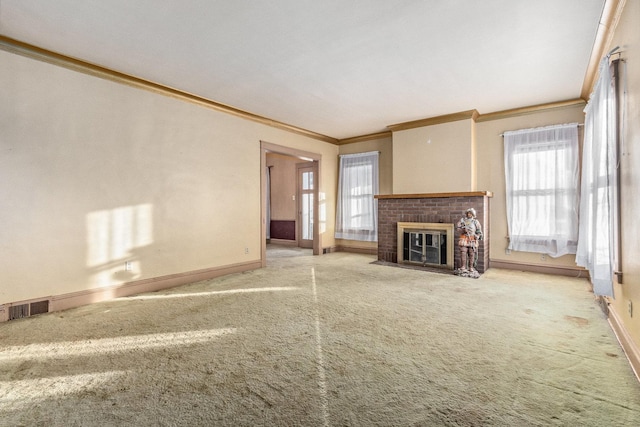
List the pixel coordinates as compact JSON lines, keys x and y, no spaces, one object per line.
{"x":628,"y":345}
{"x":355,"y":250}
{"x":539,"y":268}
{"x":89,"y":296}
{"x":283,"y":242}
{"x":5,"y":309}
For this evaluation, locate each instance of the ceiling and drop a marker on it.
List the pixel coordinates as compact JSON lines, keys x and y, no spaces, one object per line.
{"x":340,"y":68}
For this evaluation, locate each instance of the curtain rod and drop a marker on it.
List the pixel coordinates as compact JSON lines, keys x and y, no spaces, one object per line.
{"x":579,"y":125}
{"x":614,"y":51}
{"x":366,"y":152}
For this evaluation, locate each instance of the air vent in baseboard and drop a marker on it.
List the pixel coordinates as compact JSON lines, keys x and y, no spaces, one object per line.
{"x":38,"y":307}
{"x":18,"y":311}
{"x":30,"y":309}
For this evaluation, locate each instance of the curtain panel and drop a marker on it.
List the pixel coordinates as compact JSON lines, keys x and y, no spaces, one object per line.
{"x":357,"y":210}
{"x":598,"y":237}
{"x":541,"y":173}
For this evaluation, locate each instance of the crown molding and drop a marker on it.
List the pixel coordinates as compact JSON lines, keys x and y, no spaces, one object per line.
{"x":362,"y":138}
{"x":464,"y":115}
{"x":530,"y":110}
{"x":24,"y":49}
{"x":454,"y":117}
{"x":609,"y":19}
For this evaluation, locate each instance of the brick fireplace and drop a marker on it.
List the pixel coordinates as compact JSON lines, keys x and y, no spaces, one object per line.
{"x":441,"y":208}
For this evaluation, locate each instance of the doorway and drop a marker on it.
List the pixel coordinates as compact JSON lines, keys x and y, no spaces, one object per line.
{"x":307,"y":200}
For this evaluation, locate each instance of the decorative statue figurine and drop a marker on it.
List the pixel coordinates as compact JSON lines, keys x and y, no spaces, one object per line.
{"x":470,"y":234}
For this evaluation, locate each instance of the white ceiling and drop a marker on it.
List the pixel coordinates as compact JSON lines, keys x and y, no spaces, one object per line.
{"x":341,"y":68}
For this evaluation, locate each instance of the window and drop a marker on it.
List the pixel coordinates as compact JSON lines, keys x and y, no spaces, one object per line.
{"x":357,"y":213}
{"x":541,"y":172}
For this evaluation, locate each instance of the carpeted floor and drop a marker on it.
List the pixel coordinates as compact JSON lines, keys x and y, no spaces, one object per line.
{"x":331,"y":340}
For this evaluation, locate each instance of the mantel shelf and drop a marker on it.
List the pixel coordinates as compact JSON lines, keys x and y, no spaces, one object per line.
{"x":435,"y":195}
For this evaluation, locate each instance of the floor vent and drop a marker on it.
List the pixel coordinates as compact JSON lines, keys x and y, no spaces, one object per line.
{"x":30,"y":309}
{"x":18,"y":311}
{"x":38,"y":307}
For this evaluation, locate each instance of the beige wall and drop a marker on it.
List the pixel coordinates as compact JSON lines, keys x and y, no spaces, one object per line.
{"x":627,"y":36}
{"x":434,"y":159}
{"x":490,"y":157}
{"x":283,"y":186}
{"x":95,"y":173}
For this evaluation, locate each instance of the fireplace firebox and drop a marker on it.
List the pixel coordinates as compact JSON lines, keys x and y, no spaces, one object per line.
{"x":428,"y":247}
{"x":426,"y":244}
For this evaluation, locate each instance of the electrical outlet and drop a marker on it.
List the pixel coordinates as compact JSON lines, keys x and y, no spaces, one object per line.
{"x":630,"y":308}
{"x":246,"y":250}
{"x":543,"y":257}
{"x":127,"y":266}
{"x":507,"y":251}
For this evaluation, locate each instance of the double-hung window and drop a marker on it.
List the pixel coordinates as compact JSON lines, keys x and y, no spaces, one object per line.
{"x":357,"y":213}
{"x":542,"y":184}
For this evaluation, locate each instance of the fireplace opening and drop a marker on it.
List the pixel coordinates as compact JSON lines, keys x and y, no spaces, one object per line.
{"x":426,"y":244}
{"x":425,"y":247}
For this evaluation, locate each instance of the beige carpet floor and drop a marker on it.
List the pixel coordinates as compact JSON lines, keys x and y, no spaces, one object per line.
{"x":331,"y":340}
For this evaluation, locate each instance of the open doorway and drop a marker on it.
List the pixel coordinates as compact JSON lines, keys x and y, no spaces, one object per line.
{"x":299,"y":201}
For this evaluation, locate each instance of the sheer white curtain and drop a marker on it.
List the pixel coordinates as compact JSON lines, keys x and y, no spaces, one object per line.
{"x":597,"y":241}
{"x":357,"y":210}
{"x":541,"y":172}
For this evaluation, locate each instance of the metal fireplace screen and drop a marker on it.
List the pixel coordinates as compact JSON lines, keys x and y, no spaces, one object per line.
{"x":425,"y":247}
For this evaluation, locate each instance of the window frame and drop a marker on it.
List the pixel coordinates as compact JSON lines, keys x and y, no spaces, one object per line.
{"x":543,"y":190}
{"x":356,"y":209}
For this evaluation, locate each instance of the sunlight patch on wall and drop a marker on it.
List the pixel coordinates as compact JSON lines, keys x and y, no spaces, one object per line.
{"x":104,"y":346}
{"x":113,"y":236}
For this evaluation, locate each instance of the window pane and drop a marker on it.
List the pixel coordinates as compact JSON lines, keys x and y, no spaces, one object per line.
{"x":307,"y":180}
{"x":307,"y":216}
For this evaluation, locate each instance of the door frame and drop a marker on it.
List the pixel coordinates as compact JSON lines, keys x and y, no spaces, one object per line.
{"x":268,"y":147}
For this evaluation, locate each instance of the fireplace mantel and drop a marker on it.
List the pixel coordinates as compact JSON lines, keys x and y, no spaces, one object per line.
{"x":435,"y":195}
